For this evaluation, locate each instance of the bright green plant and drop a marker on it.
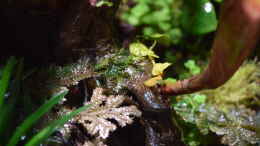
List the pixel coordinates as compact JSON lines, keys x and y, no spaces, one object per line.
{"x":33,"y":118}
{"x":6,"y":74}
{"x":188,"y":108}
{"x":47,"y":131}
{"x":7,"y":112}
{"x":158,"y":16}
{"x":173,"y":18}
{"x":191,"y":69}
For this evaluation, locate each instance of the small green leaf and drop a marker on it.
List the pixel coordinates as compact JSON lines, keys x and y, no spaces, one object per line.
{"x":193,"y":68}
{"x":148,"y":31}
{"x":139,"y":10}
{"x":104,"y":3}
{"x":157,"y":36}
{"x":140,"y":50}
{"x":133,"y":20}
{"x":165,"y":26}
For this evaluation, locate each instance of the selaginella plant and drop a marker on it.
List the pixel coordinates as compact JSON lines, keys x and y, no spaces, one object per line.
{"x":103,"y":108}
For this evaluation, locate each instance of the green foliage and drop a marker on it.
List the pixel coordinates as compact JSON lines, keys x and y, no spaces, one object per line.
{"x":104,"y":3}
{"x":9,"y":88}
{"x":242,"y":88}
{"x":189,"y":105}
{"x":12,"y":95}
{"x":218,"y":1}
{"x":233,"y":123}
{"x":199,"y":17}
{"x":4,"y":82}
{"x":47,"y":131}
{"x":33,"y":118}
{"x":173,"y":18}
{"x":170,"y":56}
{"x":192,"y":69}
{"x":157,"y":17}
{"x":113,"y":66}
{"x":188,"y":108}
{"x":224,"y":111}
{"x":192,"y":137}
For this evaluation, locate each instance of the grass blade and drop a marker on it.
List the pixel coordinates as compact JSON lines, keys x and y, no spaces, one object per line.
{"x":27,"y":124}
{"x":8,"y":111}
{"x":4,"y":82}
{"x":46,"y":132}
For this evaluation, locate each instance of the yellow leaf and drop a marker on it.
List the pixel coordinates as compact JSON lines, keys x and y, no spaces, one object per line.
{"x":140,"y":50}
{"x":158,"y":68}
{"x":153,"y":81}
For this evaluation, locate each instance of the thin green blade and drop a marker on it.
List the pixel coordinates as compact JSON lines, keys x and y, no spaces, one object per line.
{"x":46,"y":132}
{"x":27,"y":124}
{"x":4,"y":82}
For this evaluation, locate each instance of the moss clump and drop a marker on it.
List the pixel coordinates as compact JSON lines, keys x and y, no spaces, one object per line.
{"x":225,"y":111}
{"x":242,"y":87}
{"x":114,"y":65}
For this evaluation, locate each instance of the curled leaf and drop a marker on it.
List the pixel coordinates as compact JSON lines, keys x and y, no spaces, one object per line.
{"x":104,"y":3}
{"x":158,"y":68}
{"x":152,"y":81}
{"x":158,"y":36}
{"x":140,"y":50}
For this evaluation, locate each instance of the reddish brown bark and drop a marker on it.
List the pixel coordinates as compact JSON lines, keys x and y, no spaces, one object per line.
{"x":236,"y":36}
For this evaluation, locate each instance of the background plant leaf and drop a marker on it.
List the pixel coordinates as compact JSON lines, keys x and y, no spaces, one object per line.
{"x":199,"y":17}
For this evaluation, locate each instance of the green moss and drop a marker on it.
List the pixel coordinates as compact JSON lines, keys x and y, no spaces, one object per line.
{"x":113,"y":66}
{"x":242,"y":87}
{"x":224,"y":111}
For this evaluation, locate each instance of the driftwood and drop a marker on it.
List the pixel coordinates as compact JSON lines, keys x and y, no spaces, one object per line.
{"x":236,"y":36}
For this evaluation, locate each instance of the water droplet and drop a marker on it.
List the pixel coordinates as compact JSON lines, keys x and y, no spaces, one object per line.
{"x":23,"y":137}
{"x":208,"y":7}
